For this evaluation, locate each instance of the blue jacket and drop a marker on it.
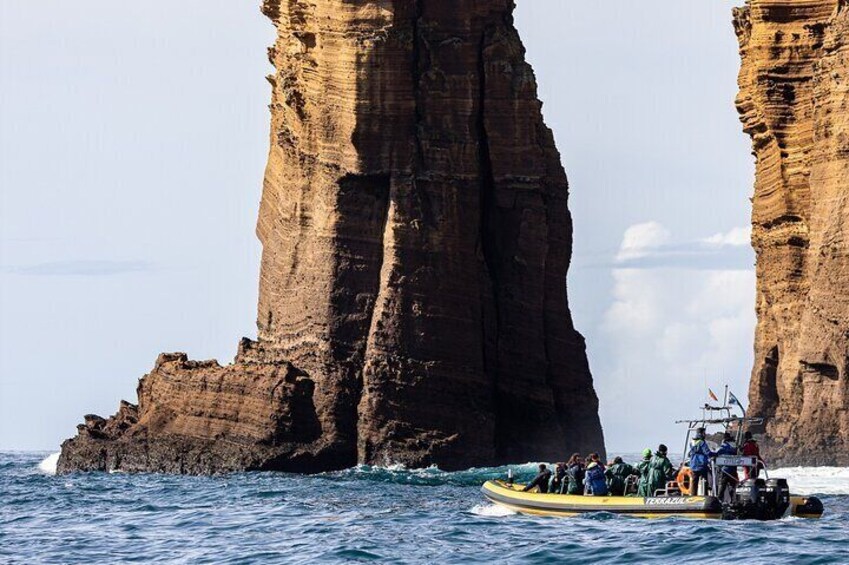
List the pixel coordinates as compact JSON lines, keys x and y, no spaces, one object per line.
{"x":728,"y":449}
{"x":594,"y":479}
{"x":699,"y":456}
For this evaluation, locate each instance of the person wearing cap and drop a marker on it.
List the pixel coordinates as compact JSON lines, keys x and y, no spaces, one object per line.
{"x":699,"y":455}
{"x":728,"y":473}
{"x":660,"y":470}
{"x":617,"y":474}
{"x":643,"y":470}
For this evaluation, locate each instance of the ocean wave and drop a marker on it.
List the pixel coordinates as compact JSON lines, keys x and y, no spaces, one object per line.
{"x":429,"y":476}
{"x":48,"y":465}
{"x":803,"y":480}
{"x":815,"y":480}
{"x":491,"y":511}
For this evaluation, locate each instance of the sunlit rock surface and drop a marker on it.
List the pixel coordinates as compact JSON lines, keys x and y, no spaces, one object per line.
{"x":794,"y":90}
{"x":416,"y":239}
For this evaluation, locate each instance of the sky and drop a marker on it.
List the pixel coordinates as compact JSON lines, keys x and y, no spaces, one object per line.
{"x":133,"y":139}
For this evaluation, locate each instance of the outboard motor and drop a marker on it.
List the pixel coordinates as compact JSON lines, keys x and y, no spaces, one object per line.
{"x":759,"y":500}
{"x":748,"y":500}
{"x":776,"y":499}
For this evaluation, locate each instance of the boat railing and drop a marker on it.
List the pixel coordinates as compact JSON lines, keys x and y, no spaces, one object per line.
{"x":727,"y":422}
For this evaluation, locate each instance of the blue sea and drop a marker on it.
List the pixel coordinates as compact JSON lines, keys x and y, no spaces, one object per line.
{"x":363,"y":515}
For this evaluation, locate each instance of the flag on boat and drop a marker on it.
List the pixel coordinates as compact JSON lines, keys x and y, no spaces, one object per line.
{"x":712,"y":395}
{"x":733,"y":399}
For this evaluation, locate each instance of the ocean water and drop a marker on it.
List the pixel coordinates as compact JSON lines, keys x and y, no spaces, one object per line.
{"x":369,"y":514}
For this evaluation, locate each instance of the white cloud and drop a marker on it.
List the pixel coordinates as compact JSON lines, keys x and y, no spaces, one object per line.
{"x":736,"y":237}
{"x":651,"y":245}
{"x":641,"y":239}
{"x":669,"y":333}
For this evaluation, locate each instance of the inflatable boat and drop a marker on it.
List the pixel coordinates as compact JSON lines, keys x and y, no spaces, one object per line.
{"x":756,"y":498}
{"x":512,"y":497}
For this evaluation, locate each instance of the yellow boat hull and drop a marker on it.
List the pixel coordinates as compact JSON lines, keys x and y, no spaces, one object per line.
{"x":698,"y":507}
{"x":538,"y":504}
{"x":806,"y":507}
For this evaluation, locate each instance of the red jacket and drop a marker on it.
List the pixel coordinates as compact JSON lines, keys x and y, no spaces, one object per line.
{"x":750,"y":449}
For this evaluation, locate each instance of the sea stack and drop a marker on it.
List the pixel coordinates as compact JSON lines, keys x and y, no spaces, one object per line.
{"x":794,"y":103}
{"x":416,"y":240}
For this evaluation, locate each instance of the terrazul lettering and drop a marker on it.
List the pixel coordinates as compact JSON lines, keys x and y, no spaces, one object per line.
{"x":668,"y":501}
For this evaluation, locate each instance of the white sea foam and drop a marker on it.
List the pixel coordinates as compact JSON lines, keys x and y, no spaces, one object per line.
{"x":815,"y":480}
{"x":48,"y":466}
{"x":491,"y":510}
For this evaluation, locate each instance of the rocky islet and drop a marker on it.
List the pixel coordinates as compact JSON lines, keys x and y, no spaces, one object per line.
{"x":416,"y":240}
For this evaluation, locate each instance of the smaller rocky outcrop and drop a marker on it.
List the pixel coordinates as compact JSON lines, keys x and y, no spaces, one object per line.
{"x":198,"y":417}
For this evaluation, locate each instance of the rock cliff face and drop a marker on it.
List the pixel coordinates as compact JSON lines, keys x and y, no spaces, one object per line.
{"x":416,"y":240}
{"x":794,"y":102}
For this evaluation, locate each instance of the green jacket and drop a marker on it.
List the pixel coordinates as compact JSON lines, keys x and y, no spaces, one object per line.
{"x":616,"y":475}
{"x":643,"y":470}
{"x":659,"y":471}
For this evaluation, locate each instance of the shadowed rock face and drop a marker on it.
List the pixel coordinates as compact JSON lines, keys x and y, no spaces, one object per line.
{"x":794,"y":98}
{"x":416,"y":240}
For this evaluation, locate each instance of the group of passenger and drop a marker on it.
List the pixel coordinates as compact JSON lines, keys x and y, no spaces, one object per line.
{"x":590,"y":476}
{"x":576,"y":476}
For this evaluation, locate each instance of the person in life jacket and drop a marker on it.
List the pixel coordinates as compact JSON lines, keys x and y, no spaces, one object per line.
{"x":616,"y":475}
{"x":575,"y":475}
{"x":643,"y":470}
{"x":594,"y":478}
{"x":660,"y":471}
{"x":541,"y":480}
{"x":700,"y":455}
{"x":750,"y":449}
{"x":728,"y":473}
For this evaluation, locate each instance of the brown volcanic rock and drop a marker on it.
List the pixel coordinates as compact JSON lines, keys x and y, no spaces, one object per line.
{"x":794,"y":89}
{"x":416,"y":240}
{"x":198,"y":417}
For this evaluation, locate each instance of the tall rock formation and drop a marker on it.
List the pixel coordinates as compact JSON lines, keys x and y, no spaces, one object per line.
{"x":794,"y":103}
{"x":416,"y":240}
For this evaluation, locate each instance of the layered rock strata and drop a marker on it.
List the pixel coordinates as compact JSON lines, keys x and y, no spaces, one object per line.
{"x":416,"y":240}
{"x":794,"y":103}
